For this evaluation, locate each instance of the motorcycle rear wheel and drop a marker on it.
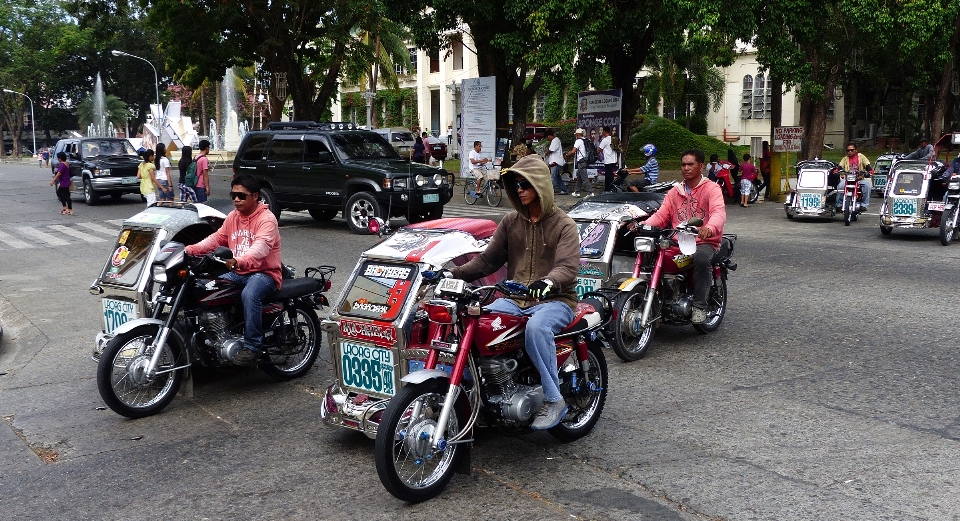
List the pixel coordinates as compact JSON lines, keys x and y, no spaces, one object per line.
{"x":716,"y":306}
{"x":289,"y":362}
{"x":585,"y":408}
{"x":121,"y":380}
{"x":948,"y":227}
{"x":409,"y":468}
{"x":631,"y":341}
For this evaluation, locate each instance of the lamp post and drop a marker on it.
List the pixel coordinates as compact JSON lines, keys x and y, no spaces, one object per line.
{"x":453,"y":88}
{"x":33,"y":121}
{"x":156,"y":83}
{"x":369,"y":95}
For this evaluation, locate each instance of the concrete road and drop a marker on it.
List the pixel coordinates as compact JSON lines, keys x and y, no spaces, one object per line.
{"x":829,"y":393}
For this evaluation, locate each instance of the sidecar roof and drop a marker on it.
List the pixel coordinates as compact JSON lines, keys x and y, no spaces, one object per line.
{"x":435,"y":242}
{"x":177,"y":217}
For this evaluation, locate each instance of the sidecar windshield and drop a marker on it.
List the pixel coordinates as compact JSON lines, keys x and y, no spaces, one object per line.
{"x":908,"y":183}
{"x":129,"y":257}
{"x":379,"y":291}
{"x":812,"y":179}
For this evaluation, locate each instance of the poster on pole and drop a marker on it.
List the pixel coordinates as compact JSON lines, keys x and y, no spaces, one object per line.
{"x":787,"y":139}
{"x":478,"y":101}
{"x":595,"y":110}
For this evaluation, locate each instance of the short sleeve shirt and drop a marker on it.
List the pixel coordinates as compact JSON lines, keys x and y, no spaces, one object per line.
{"x":202,"y":164}
{"x":609,"y":156}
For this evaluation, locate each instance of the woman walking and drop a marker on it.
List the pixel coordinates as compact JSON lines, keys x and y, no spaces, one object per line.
{"x":146,"y":173}
{"x":164,"y":186}
{"x":186,"y":192}
{"x":62,"y":180}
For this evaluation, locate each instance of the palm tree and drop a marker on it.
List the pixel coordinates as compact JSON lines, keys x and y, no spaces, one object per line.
{"x":115,"y":111}
{"x":382,"y":44}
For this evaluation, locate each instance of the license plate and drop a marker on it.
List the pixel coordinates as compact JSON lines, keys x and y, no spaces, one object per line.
{"x":437,"y":147}
{"x":879,"y":181}
{"x":129,"y":181}
{"x":903,"y":206}
{"x":935,"y":206}
{"x":431,"y":198}
{"x":116,"y":313}
{"x":367,"y":367}
{"x":586,"y":285}
{"x":811,"y":200}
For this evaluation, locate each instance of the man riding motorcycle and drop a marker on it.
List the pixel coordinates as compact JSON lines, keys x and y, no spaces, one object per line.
{"x":251,"y":232}
{"x":855,"y":161}
{"x":696,"y":196}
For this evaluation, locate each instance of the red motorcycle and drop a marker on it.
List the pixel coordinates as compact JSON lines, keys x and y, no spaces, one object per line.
{"x":661,"y":288}
{"x":852,"y":195}
{"x":477,"y":373}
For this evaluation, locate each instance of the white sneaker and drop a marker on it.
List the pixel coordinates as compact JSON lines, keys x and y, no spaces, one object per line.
{"x":575,"y":194}
{"x":550,"y":415}
{"x":699,"y":316}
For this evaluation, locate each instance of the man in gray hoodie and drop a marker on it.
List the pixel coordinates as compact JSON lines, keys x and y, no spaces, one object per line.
{"x":540,"y":245}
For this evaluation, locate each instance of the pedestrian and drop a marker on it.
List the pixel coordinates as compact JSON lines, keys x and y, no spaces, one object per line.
{"x":449,"y":134}
{"x":164,"y":185}
{"x":748,"y":174}
{"x":605,"y":151}
{"x":555,"y":161}
{"x":202,"y":190}
{"x":418,"y":148}
{"x":579,"y":153}
{"x":46,"y":156}
{"x":427,"y":156}
{"x":765,"y":168}
{"x":63,"y":181}
{"x":186,"y":159}
{"x":146,"y":173}
{"x":39,"y":158}
{"x":713,"y":167}
{"x":734,"y":166}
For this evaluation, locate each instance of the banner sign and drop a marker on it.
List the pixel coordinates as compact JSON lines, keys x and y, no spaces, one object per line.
{"x":597,"y":109}
{"x":478,"y":101}
{"x":787,"y":139}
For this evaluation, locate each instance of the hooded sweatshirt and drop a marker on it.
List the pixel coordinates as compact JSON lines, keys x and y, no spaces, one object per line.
{"x":254,"y":241}
{"x":546,"y":249}
{"x":704,"y":201}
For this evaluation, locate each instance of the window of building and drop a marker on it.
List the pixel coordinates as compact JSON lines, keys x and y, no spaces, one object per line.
{"x":538,"y":108}
{"x":759,"y":97}
{"x":746,"y":98}
{"x":435,"y":63}
{"x":413,"y":60}
{"x":457,"y":55}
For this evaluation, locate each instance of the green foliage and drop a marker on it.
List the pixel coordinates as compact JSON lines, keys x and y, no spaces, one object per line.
{"x":115,"y":109}
{"x":670,"y":138}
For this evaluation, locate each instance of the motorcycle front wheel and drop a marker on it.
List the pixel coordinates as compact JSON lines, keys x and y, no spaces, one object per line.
{"x":847,"y":210}
{"x":408,"y":466}
{"x":585,"y":408}
{"x":716,"y":306}
{"x":292,"y":359}
{"x":948,"y":226}
{"x":630,"y":339}
{"x":122,"y":378}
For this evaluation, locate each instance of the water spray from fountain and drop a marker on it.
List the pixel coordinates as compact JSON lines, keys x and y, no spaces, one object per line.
{"x":229,"y":127}
{"x":98,"y":124}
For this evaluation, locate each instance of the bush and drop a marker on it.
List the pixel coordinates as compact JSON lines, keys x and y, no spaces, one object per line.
{"x":671,"y":140}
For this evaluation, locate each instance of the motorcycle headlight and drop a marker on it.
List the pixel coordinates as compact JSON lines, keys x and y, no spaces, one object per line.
{"x":953,"y":185}
{"x":643,"y":244}
{"x":851,"y":178}
{"x":400,"y":183}
{"x":437,"y":179}
{"x":420,"y":180}
{"x":160,"y":274}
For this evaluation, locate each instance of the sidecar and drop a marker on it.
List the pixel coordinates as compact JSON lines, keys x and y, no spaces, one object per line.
{"x":377,"y":330}
{"x":881,"y":173}
{"x":125,"y":283}
{"x":914,"y":195}
{"x":816,"y":191}
{"x":607,"y":255}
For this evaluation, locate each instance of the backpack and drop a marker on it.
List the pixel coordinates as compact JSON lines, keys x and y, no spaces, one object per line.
{"x":615,"y":144}
{"x":191,"y":178}
{"x":591,"y":152}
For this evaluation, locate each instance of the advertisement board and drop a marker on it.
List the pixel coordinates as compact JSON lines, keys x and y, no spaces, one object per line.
{"x":478,"y":101}
{"x":597,"y":109}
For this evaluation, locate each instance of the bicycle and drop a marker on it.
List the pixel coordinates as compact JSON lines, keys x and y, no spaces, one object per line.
{"x":490,"y":189}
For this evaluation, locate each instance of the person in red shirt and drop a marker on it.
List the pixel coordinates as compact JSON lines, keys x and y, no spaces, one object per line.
{"x":252,"y":234}
{"x":748,"y":174}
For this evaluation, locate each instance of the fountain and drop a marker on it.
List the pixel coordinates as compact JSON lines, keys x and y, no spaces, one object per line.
{"x":98,"y":123}
{"x":215,"y":136}
{"x":230,"y":126}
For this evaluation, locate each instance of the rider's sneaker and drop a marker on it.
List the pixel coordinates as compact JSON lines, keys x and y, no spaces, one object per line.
{"x":575,"y":194}
{"x":550,"y":415}
{"x":473,"y":194}
{"x":245,"y":357}
{"x":699,"y":316}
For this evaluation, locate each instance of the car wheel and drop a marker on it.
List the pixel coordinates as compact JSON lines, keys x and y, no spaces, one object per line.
{"x":267,"y":196}
{"x":322,"y":215}
{"x":361,"y":207}
{"x":90,"y":195}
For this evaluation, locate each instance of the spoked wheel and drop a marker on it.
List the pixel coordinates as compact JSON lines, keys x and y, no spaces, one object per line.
{"x":847,"y":211}
{"x":409,"y":467}
{"x":470,"y":194}
{"x":293,"y":356}
{"x":754,"y":193}
{"x":886,"y":230}
{"x":630,"y":339}
{"x":716,"y":306}
{"x":585,"y":407}
{"x":948,"y":226}
{"x":122,"y":378}
{"x":494,"y":193}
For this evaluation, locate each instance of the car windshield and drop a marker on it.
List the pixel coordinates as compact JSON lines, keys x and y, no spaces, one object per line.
{"x":363,"y":145}
{"x":107,"y":147}
{"x":402,"y":136}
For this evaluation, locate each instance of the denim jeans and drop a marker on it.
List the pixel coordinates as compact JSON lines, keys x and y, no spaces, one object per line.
{"x":201,"y":194}
{"x":546,"y":320}
{"x":556,"y":175}
{"x":256,"y":287}
{"x":864,"y":189}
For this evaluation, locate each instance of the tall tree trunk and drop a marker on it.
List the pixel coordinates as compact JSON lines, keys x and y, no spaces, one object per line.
{"x":204,"y":123}
{"x":943,"y":91}
{"x":373,"y":83}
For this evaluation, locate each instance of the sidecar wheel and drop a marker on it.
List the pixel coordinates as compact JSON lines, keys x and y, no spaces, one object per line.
{"x":629,"y":342}
{"x":409,"y":468}
{"x":886,"y":230}
{"x":287,"y":362}
{"x":946,"y":227}
{"x":716,"y":306}
{"x":584,"y":409}
{"x":121,"y":378}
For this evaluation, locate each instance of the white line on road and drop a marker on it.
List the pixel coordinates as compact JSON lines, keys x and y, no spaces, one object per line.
{"x":41,"y":236}
{"x":112,"y":232}
{"x":13,"y":242}
{"x":66,"y":230}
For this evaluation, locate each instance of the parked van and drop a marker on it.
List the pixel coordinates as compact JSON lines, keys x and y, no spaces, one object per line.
{"x":401,"y":138}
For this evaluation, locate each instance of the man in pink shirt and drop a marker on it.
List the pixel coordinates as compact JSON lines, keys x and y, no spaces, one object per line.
{"x":202,"y":190}
{"x":251,"y":232}
{"x":696,"y":196}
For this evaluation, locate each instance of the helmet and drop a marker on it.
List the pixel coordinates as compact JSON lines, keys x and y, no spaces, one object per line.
{"x":649,"y":149}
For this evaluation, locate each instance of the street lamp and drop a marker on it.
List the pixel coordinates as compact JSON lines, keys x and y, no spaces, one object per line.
{"x":369,"y":95}
{"x":156,"y":83}
{"x":33,"y":121}
{"x":454,"y":88}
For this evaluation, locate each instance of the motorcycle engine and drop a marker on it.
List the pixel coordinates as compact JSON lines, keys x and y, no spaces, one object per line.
{"x":518,"y":403}
{"x":215,"y":325}
{"x":676,"y":298}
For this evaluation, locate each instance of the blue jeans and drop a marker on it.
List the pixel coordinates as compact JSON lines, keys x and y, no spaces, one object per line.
{"x":555,"y":176}
{"x":864,"y":189}
{"x":256,"y":287}
{"x":546,"y":320}
{"x":201,"y":194}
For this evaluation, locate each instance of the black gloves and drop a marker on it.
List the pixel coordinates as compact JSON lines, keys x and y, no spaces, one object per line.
{"x":540,"y":289}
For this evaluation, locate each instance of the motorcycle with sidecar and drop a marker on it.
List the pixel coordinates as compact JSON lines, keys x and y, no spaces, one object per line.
{"x":816,"y":192}
{"x":920,"y":195}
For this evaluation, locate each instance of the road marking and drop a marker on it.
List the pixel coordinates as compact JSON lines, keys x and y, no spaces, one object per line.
{"x":16,"y":243}
{"x":66,"y":230}
{"x":41,"y":236}
{"x":112,"y":232}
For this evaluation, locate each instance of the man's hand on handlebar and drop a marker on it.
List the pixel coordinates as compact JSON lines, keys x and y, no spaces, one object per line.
{"x":434,"y":276}
{"x":540,"y":289}
{"x":705,"y":233}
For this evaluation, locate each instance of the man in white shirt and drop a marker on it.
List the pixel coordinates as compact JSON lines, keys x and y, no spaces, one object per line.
{"x":556,"y":161}
{"x":476,"y":163}
{"x":609,"y":156}
{"x":579,"y":153}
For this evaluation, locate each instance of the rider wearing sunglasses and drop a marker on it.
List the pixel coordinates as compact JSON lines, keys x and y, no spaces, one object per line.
{"x":854,"y":160}
{"x":252,"y":234}
{"x":541,"y":247}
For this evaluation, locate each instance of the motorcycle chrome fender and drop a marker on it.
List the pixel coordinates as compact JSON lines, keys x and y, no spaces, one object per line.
{"x":423,"y":375}
{"x":103,"y":339}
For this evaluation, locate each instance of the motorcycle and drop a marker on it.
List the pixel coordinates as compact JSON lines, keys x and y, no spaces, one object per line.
{"x":951,"y":212}
{"x":477,"y":373}
{"x":198,"y":319}
{"x":816,"y":192}
{"x":619,"y":184}
{"x":921,"y":195}
{"x":852,"y":196}
{"x":661,"y":288}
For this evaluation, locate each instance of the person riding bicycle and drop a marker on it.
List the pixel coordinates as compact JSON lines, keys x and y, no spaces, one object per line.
{"x":477,"y":163}
{"x":859,"y":162}
{"x":650,"y":171}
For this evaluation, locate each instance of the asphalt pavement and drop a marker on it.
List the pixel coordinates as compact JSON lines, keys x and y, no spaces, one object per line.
{"x":829,"y":392}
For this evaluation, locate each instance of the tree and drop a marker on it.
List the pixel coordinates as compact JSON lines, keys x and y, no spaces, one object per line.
{"x":383,"y":44}
{"x":115,"y":111}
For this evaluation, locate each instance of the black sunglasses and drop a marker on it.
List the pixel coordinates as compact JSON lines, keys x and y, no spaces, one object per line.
{"x":239,"y":195}
{"x":524,"y":185}
{"x":851,"y":150}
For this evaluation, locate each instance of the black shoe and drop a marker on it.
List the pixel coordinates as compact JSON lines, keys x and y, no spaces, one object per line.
{"x":246,"y":357}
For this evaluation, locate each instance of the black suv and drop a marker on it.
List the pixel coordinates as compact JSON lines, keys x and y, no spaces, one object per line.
{"x":330,"y":168}
{"x":102,"y":165}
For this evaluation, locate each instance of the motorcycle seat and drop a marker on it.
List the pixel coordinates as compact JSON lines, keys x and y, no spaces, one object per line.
{"x":589,"y":313}
{"x":293,"y":288}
